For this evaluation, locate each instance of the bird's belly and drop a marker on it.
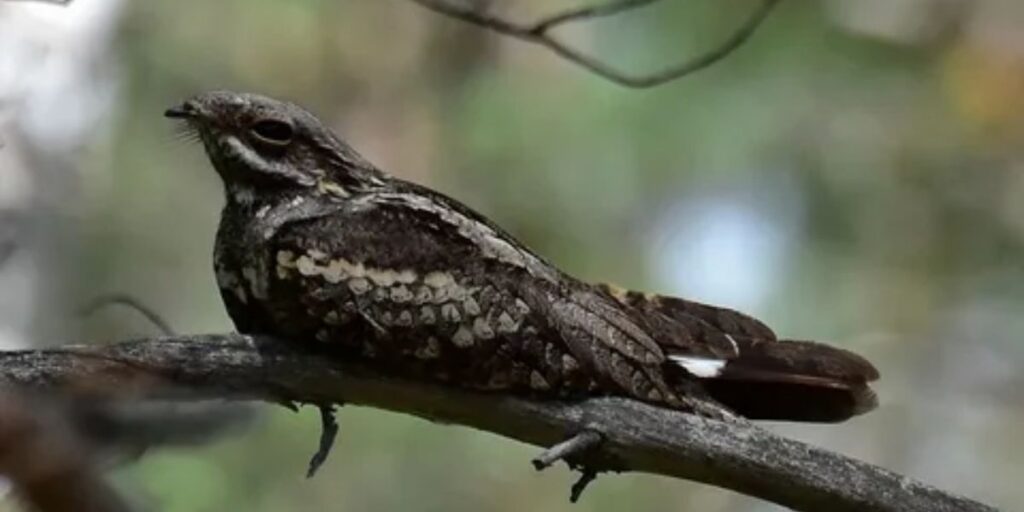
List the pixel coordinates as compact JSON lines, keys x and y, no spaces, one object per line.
{"x":243,"y":288}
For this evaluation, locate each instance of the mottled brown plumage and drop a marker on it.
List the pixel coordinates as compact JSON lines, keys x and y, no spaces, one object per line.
{"x":319,"y":246}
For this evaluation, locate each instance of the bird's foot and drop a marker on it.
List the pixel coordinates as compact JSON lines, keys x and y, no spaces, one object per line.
{"x":587,"y":475}
{"x":328,"y":432}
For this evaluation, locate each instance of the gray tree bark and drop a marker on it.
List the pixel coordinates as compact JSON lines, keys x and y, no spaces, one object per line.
{"x":634,"y":436}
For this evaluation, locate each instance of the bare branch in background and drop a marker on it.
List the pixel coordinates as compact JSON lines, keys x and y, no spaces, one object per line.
{"x":49,"y":466}
{"x":9,"y":231}
{"x":53,"y":449}
{"x":55,"y":2}
{"x":120,"y":299}
{"x":539,"y":32}
{"x":634,"y":436}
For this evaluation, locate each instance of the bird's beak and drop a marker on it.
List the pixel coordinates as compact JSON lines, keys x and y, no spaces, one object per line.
{"x":186,"y":110}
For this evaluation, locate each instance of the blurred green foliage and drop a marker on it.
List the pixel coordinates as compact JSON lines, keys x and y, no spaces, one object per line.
{"x":899,"y":149}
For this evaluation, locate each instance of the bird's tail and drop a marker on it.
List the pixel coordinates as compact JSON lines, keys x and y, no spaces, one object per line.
{"x":738,"y":361}
{"x":792,"y":380}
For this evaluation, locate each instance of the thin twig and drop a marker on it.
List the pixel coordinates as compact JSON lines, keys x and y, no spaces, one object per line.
{"x":538,"y":32}
{"x":61,"y":3}
{"x":576,"y":444}
{"x":10,"y":224}
{"x":635,"y":436}
{"x":573,"y":451}
{"x":120,"y":299}
{"x":587,"y":12}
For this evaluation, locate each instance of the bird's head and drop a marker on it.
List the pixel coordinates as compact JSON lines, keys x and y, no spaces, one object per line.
{"x":261,"y":146}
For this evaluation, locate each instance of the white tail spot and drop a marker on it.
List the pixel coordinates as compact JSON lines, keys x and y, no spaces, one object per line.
{"x":702,"y":367}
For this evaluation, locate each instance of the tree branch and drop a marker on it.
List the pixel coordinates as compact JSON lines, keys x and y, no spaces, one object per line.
{"x":56,"y":2}
{"x":122,"y":299}
{"x":47,"y":462}
{"x":634,"y":436}
{"x":10,"y":231}
{"x":539,"y":32}
{"x":575,"y":445}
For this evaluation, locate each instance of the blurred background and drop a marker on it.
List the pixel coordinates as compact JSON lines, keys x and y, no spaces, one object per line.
{"x":855,"y":174}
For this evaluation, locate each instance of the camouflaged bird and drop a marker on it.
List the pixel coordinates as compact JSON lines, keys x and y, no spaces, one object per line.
{"x":319,"y":246}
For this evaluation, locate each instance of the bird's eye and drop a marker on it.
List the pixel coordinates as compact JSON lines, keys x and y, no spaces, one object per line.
{"x":271,"y":131}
